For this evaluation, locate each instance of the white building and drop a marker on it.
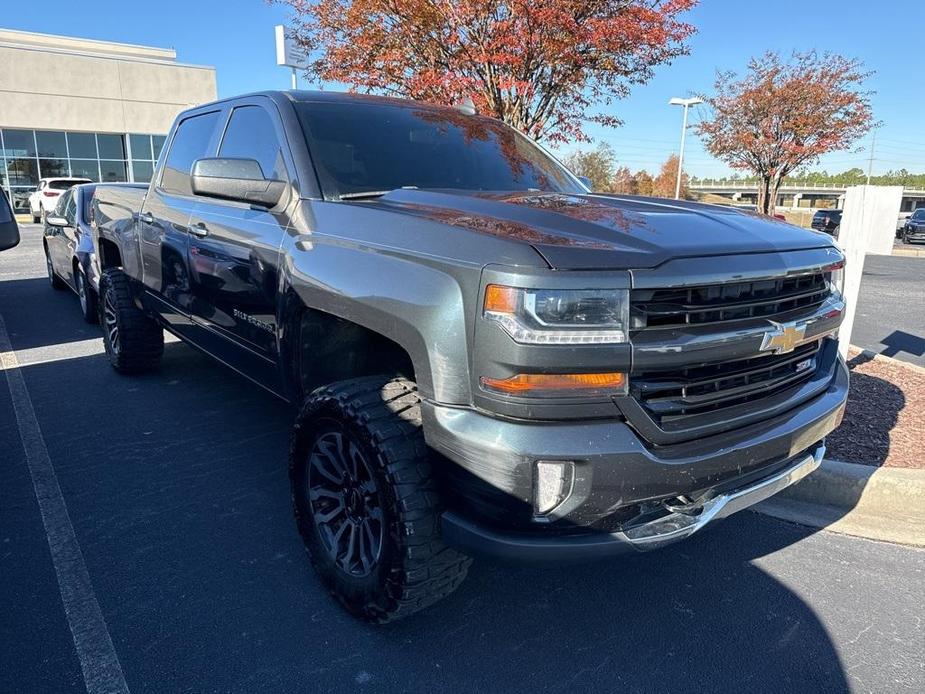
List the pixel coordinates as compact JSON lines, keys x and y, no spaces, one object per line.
{"x":95,"y":109}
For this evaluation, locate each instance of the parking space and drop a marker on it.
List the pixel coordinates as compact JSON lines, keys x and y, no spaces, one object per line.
{"x":890,"y":319}
{"x":176,"y":490}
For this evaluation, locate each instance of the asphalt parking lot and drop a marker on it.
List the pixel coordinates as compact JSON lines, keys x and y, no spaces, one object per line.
{"x":176,"y":524}
{"x":890,"y":318}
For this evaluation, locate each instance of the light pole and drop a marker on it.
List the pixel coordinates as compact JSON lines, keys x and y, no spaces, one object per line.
{"x":686,"y":103}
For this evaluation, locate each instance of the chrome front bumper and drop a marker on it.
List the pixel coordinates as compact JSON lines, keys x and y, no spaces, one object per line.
{"x":683,"y":522}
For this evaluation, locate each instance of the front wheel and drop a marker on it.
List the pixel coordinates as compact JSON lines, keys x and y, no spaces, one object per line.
{"x":365,"y":500}
{"x":134,"y":343}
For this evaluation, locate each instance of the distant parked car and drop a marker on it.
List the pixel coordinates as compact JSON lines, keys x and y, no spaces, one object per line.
{"x":9,"y":230}
{"x":69,"y":245}
{"x":915,"y":227}
{"x":827,"y":221}
{"x":44,"y":199}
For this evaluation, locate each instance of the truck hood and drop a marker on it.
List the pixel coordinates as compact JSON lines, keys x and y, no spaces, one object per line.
{"x":604,"y":232}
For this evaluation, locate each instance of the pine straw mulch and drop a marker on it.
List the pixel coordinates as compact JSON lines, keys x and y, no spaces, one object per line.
{"x":884,"y":422}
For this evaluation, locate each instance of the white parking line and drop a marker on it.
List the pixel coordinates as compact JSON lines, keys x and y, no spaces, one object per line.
{"x":102,"y":671}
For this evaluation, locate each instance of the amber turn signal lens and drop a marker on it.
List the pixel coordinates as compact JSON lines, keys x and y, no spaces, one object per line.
{"x":557,"y":384}
{"x":500,"y":299}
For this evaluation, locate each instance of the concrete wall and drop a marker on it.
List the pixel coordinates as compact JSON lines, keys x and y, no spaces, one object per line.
{"x":60,"y":83}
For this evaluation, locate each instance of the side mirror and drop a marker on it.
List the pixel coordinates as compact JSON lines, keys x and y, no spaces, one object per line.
{"x":56,"y":221}
{"x":9,"y":235}
{"x":241,"y":180}
{"x":9,"y":230}
{"x":587,"y":182}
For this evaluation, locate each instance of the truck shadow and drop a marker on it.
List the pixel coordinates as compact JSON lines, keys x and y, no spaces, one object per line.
{"x":184,"y":518}
{"x":871,"y":414}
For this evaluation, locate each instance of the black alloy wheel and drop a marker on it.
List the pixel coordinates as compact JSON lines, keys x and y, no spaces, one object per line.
{"x":366,"y":502}
{"x":111,"y":326}
{"x":345,"y":502}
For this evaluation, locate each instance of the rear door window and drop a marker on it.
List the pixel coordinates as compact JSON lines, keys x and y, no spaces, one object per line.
{"x":191,"y":142}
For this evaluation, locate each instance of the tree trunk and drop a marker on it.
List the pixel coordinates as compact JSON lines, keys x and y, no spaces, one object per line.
{"x":773,"y":187}
{"x":764,"y":186}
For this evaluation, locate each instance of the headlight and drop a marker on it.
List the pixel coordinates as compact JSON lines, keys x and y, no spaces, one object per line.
{"x":837,"y":279}
{"x":559,"y":316}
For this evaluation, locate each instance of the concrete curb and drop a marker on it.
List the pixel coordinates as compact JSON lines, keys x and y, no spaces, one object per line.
{"x":909,"y":252}
{"x":882,"y":357}
{"x":885,"y":504}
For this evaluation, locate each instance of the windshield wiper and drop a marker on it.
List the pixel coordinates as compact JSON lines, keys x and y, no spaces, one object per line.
{"x":364,"y":194}
{"x":372,"y":193}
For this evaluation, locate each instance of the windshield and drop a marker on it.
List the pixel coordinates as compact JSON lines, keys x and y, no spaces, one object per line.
{"x":67,"y":183}
{"x":362,"y":147}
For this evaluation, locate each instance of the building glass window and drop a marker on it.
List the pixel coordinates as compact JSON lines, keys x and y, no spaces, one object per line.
{"x":141,"y":147}
{"x":53,"y":167}
{"x":28,"y":155}
{"x":51,"y":145}
{"x":18,"y":143}
{"x":112,"y":171}
{"x":158,"y":142}
{"x":23,"y":172}
{"x":142,"y":171}
{"x":111,"y":146}
{"x":86,"y":168}
{"x":82,"y":145}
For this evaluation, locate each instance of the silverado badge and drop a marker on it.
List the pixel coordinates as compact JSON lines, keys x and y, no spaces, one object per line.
{"x":785,"y":337}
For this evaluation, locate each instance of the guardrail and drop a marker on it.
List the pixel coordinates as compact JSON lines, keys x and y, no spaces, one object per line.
{"x":715,"y":184}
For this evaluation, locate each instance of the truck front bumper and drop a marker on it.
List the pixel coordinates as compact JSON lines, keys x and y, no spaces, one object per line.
{"x":624,"y":495}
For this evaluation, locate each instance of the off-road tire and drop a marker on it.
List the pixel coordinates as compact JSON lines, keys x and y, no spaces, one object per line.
{"x":415,"y":569}
{"x":139,"y":342}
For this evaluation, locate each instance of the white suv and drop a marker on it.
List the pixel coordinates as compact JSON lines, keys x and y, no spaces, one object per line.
{"x":45,"y":197}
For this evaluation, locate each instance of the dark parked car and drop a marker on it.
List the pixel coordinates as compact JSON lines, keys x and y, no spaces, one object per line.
{"x":488,"y":358}
{"x":68,"y":246}
{"x":827,"y":221}
{"x":9,"y":229}
{"x":914,"y":230}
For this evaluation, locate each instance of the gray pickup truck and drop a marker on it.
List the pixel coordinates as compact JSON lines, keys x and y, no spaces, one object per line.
{"x":489,"y":359}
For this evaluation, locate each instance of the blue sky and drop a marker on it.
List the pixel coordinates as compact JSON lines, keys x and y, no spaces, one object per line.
{"x":885,"y":35}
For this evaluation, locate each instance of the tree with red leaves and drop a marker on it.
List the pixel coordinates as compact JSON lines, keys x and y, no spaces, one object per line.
{"x":785,"y":114}
{"x":542,"y":66}
{"x":664,"y":184}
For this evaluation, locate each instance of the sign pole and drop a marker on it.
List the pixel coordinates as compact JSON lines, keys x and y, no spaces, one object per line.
{"x":295,"y":79}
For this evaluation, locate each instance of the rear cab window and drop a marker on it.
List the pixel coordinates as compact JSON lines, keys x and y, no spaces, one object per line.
{"x":191,"y":142}
{"x":251,"y":135}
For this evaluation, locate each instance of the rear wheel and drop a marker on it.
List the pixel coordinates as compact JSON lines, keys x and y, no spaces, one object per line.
{"x":88,"y":308}
{"x":365,"y":501}
{"x":134,"y":343}
{"x":56,"y":282}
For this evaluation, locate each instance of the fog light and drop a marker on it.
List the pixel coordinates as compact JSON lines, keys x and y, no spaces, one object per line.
{"x":552,"y":484}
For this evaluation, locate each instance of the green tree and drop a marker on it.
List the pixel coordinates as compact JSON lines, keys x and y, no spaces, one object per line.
{"x":596,"y":164}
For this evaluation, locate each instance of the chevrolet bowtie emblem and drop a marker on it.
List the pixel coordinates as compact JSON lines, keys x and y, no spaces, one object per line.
{"x":783,"y":338}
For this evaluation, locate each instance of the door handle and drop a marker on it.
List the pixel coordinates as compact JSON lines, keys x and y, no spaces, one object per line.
{"x":199,"y":230}
{"x":146,"y":218}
